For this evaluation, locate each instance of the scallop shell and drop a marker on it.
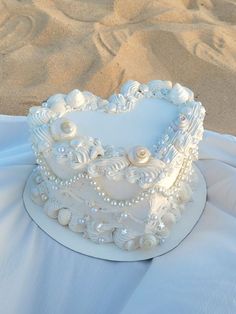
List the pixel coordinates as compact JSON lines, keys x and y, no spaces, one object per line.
{"x":75,"y":99}
{"x":52,"y":207}
{"x":122,"y":238}
{"x":180,"y":94}
{"x":157,"y":85}
{"x":148,"y":241}
{"x":57,"y":103}
{"x":117,"y":99}
{"x":38,"y":116}
{"x":129,"y":88}
{"x":58,"y":133}
{"x":64,"y":216}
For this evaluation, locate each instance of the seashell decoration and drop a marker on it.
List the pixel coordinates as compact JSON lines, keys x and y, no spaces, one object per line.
{"x":148,"y":241}
{"x":180,"y":94}
{"x":75,"y":99}
{"x":63,"y":129}
{"x":52,"y":207}
{"x":139,"y":155}
{"x":129,"y":88}
{"x":97,"y":235}
{"x":185,"y":194}
{"x":168,"y":219}
{"x":158,"y":85}
{"x":39,"y":116}
{"x":116,"y":101}
{"x":122,"y":237}
{"x":64,"y":216}
{"x":57,"y":103}
{"x":77,"y":224}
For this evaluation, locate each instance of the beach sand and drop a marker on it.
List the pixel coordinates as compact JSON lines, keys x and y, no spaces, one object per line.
{"x":49,"y":46}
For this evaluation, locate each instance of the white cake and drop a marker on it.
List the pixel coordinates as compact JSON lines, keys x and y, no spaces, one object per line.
{"x":119,"y":170}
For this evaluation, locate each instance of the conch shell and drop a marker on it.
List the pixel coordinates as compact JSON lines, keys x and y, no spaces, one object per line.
{"x":57,"y":103}
{"x":180,"y":94}
{"x":75,"y":99}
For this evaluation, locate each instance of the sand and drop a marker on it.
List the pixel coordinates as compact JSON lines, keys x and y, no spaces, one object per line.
{"x":49,"y":46}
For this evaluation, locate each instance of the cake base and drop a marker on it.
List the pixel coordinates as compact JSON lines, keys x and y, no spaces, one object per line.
{"x":76,"y":242}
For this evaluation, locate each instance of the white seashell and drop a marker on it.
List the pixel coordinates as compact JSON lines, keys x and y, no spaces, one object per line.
{"x":176,"y":211}
{"x":148,"y":241}
{"x":63,"y":129}
{"x":168,"y":220}
{"x":157,"y":85}
{"x":57,"y":103}
{"x":75,"y":99}
{"x":75,"y":224}
{"x":117,"y":99}
{"x":129,"y":88}
{"x":96,"y":151}
{"x":121,"y":236}
{"x":97,"y":235}
{"x":180,"y":94}
{"x":185,"y":194}
{"x":64,"y":216}
{"x":139,"y":155}
{"x":39,"y":116}
{"x":52,"y":207}
{"x":131,"y":245}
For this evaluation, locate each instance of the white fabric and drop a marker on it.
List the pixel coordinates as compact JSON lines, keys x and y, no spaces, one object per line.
{"x":38,"y":275}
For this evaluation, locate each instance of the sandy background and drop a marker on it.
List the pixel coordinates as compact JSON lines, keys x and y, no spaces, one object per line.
{"x":50,"y":46}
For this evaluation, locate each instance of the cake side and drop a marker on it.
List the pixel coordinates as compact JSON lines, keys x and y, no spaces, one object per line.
{"x":69,"y":163}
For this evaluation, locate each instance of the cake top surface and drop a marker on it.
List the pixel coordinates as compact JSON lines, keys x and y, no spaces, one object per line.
{"x":145,"y":129}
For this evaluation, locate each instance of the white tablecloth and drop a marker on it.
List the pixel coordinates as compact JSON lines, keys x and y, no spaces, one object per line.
{"x":38,"y":275}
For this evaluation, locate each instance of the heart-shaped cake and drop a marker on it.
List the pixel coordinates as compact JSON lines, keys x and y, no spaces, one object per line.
{"x":118,"y":170}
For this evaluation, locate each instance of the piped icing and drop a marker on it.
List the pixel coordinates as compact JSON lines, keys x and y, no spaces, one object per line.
{"x":73,"y":169}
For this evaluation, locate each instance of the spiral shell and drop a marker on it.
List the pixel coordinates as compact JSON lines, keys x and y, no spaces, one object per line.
{"x":121,"y":237}
{"x":57,"y":103}
{"x":75,"y":99}
{"x":52,"y":207}
{"x":38,"y":116}
{"x":148,"y":241}
{"x":180,"y":94}
{"x":63,"y":129}
{"x":157,"y":85}
{"x":64,"y":216}
{"x":139,"y":155}
{"x":129,"y":88}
